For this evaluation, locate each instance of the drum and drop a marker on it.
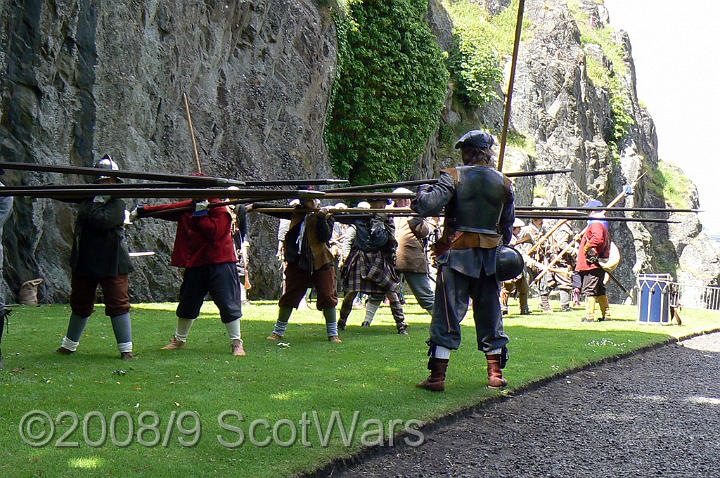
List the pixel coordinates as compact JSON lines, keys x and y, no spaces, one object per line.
{"x":611,"y":262}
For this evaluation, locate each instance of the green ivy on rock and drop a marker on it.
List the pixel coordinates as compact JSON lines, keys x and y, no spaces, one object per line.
{"x":389,"y":92}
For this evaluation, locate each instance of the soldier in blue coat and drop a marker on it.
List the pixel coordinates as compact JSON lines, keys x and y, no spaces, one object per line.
{"x":479,"y":213}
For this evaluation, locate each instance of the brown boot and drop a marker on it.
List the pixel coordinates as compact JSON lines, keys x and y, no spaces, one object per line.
{"x":545,"y":304}
{"x":436,"y":381}
{"x":174,"y":344}
{"x":495,"y":376}
{"x":237,"y":348}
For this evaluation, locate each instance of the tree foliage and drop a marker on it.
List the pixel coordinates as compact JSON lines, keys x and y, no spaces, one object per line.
{"x":474,"y":66}
{"x":390,"y":90}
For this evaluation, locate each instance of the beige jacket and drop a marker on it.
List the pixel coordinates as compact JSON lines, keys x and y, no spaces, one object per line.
{"x":410,"y":251}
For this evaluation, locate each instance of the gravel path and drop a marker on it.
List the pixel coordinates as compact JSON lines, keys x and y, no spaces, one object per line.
{"x":656,"y":413}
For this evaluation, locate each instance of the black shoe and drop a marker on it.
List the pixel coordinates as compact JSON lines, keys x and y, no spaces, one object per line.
{"x":341,"y":324}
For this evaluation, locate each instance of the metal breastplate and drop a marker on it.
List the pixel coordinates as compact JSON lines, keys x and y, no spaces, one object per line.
{"x":479,"y":198}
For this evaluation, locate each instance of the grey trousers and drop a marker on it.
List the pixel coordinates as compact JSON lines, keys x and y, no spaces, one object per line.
{"x":452,"y":295}
{"x":421,"y":288}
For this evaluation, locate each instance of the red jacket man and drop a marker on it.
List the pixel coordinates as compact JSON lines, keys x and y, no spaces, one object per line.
{"x":199,"y":240}
{"x":205,"y":248}
{"x":595,"y":244}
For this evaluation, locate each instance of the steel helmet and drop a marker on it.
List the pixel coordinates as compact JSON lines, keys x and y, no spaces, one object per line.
{"x":107,"y":163}
{"x":508,"y":263}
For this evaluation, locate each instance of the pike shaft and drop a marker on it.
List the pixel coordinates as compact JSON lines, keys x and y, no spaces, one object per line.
{"x":417,"y":182}
{"x":193,"y":193}
{"x":86,"y":171}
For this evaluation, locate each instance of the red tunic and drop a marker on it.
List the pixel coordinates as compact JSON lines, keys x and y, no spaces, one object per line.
{"x":597,"y":237}
{"x":200,"y":240}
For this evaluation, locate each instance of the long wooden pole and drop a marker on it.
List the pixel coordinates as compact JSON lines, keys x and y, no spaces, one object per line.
{"x":625,"y":191}
{"x":618,"y":198}
{"x":192,"y":133}
{"x":417,"y":182}
{"x":165,"y":177}
{"x":121,"y":173}
{"x":194,"y":193}
{"x":357,"y":212}
{"x":511,"y":82}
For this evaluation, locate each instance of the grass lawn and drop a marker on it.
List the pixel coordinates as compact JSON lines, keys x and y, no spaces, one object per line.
{"x":198,"y":410}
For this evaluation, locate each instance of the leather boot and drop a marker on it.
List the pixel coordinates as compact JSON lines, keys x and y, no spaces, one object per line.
{"x":495,"y":376}
{"x":399,"y":316}
{"x":604,"y":307}
{"x":236,"y":347}
{"x":436,"y":381}
{"x":545,"y":304}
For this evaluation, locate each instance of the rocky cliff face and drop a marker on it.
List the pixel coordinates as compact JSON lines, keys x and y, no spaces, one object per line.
{"x":569,"y":119}
{"x":80,"y":79}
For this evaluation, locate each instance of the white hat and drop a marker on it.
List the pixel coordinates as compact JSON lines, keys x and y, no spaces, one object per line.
{"x":295,"y":202}
{"x":402,"y":191}
{"x":340,"y":205}
{"x":363,"y":205}
{"x":518,"y":223}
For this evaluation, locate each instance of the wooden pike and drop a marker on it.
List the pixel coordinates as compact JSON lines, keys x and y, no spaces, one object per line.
{"x":192,"y":193}
{"x":192,"y":133}
{"x":120,"y":173}
{"x":622,"y":209}
{"x":625,"y":191}
{"x":511,"y":83}
{"x":417,"y":182}
{"x":164,"y":177}
{"x":358,"y":212}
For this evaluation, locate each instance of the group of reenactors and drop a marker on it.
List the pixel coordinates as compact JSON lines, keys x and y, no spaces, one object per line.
{"x":373,"y":254}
